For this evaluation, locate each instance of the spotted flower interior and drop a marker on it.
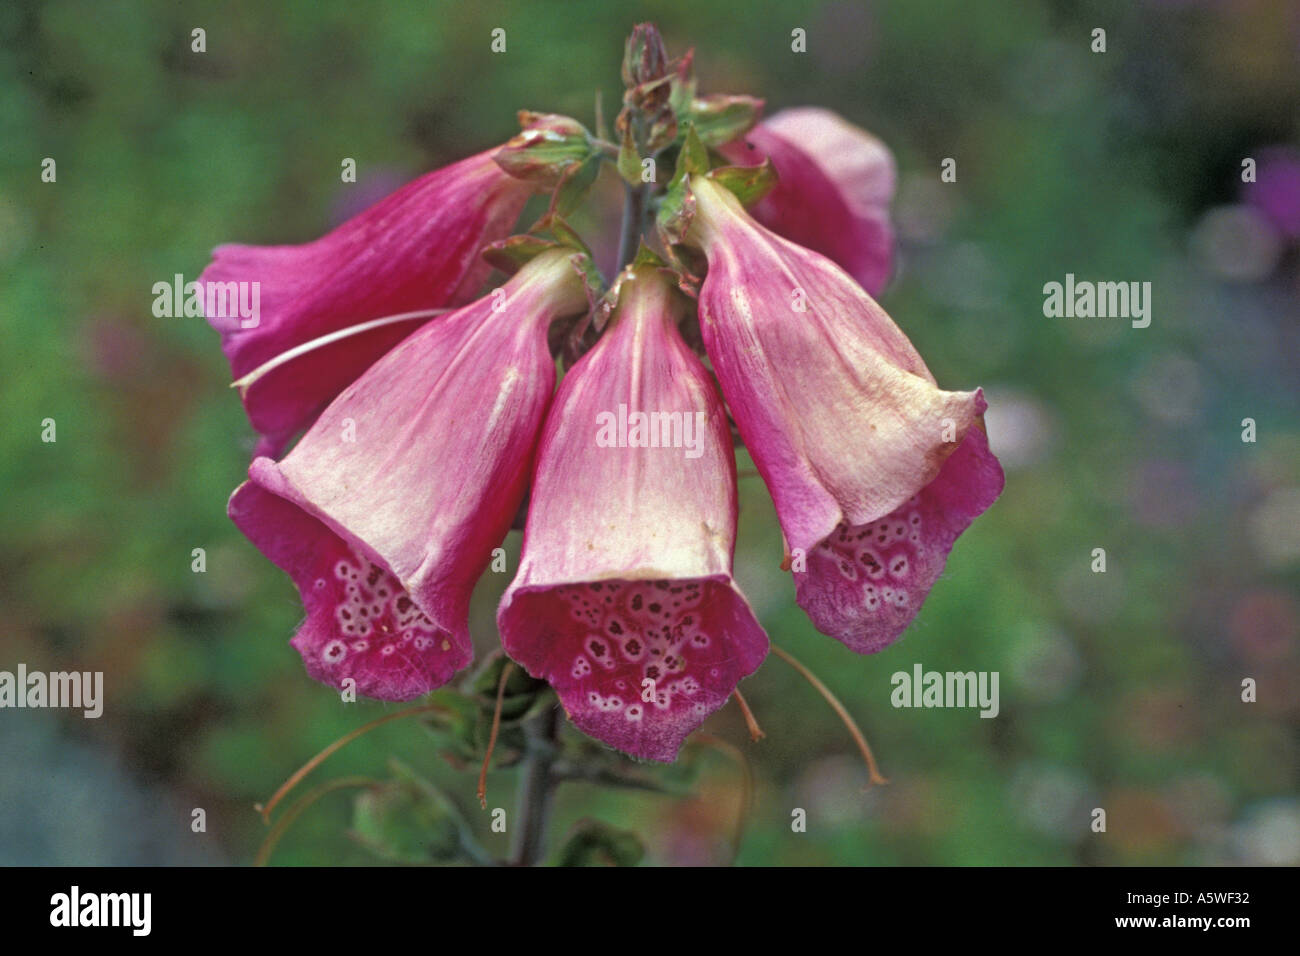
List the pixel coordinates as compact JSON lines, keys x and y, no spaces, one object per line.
{"x":641,"y":663}
{"x":865,"y":583}
{"x":361,"y":623}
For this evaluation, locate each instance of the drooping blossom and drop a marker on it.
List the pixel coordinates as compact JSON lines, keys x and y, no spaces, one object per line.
{"x":386,"y":512}
{"x":426,"y":435}
{"x":416,"y":250}
{"x":624,"y":600}
{"x":835,"y":184}
{"x":874,"y":470}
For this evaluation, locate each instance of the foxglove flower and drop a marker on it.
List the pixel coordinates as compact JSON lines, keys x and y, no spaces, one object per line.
{"x":624,"y":600}
{"x":874,"y":470}
{"x":387,"y":510}
{"x":833,"y":192}
{"x":416,"y":250}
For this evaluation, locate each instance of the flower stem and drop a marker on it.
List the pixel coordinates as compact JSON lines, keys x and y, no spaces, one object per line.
{"x":536,"y":788}
{"x":634,"y":209}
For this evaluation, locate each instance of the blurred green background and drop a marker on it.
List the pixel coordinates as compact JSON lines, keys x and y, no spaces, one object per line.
{"x":1119,"y":690}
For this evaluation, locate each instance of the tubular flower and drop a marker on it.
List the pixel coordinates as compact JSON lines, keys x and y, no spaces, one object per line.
{"x":834,"y":188}
{"x":386,"y":512}
{"x":874,"y":470}
{"x":424,"y":439}
{"x":624,"y":600}
{"x":416,"y":250}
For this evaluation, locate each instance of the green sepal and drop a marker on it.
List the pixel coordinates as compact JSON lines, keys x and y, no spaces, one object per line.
{"x":694,"y":155}
{"x":629,"y":159}
{"x":645,"y":256}
{"x":676,"y":210}
{"x":677,"y":206}
{"x":723,"y":117}
{"x":575,"y":185}
{"x":682,"y":93}
{"x":510,"y":255}
{"x":718,"y":118}
{"x":749,"y":184}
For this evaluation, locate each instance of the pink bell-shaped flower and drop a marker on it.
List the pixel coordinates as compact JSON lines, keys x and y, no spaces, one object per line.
{"x":624,"y":600}
{"x":835,"y":183}
{"x":414,"y":251}
{"x":874,"y":470}
{"x":386,"y":512}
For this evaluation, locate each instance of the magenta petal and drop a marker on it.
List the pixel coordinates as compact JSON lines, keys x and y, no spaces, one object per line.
{"x":865,"y":583}
{"x":288,"y":396}
{"x":361,"y":623}
{"x":410,"y":478}
{"x":417,"y":249}
{"x":625,"y":575}
{"x":839,"y":412}
{"x":597,"y":642}
{"x":835,"y":185}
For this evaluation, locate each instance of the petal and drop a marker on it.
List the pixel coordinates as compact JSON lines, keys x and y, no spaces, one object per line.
{"x":361,"y":623}
{"x":839,"y":412}
{"x":280,"y":402}
{"x":629,"y":539}
{"x":865,"y":583}
{"x":638,"y":664}
{"x":417,"y":249}
{"x":835,"y":185}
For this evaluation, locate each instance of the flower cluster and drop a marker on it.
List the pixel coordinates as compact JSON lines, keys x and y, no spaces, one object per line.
{"x":430,"y":420}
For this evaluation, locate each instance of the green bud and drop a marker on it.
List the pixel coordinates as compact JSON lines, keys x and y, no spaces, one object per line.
{"x":405,"y":821}
{"x":548,"y":148}
{"x":644,"y":57}
{"x":521,"y":696}
{"x":593,"y":843}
